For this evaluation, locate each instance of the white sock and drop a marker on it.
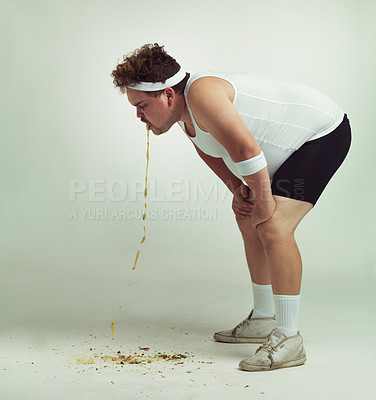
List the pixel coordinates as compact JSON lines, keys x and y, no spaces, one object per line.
{"x":287,"y":313}
{"x":263,"y":304}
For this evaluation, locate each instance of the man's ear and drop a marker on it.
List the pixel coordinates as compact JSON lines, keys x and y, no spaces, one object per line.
{"x":170,"y":95}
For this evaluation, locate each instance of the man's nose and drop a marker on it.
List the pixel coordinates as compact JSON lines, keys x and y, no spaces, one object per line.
{"x":139,"y":113}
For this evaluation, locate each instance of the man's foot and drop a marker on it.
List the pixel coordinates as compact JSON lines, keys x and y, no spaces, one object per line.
{"x":278,"y":351}
{"x":256,"y":330}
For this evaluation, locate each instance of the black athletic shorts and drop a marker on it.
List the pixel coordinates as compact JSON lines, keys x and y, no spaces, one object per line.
{"x":305,"y":174}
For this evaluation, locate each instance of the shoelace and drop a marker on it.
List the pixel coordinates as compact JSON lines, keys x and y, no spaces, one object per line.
{"x":240,"y":325}
{"x":268,"y":347}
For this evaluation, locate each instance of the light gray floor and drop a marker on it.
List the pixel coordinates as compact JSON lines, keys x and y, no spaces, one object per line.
{"x":53,"y":312}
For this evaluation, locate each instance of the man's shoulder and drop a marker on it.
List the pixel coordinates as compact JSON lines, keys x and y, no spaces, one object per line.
{"x":209,"y":85}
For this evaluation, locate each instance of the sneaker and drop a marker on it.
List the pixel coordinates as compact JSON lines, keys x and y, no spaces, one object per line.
{"x":278,"y":351}
{"x":256,"y":330}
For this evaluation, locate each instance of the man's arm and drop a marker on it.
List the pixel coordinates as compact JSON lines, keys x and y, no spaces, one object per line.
{"x":218,"y":166}
{"x":214,"y":111}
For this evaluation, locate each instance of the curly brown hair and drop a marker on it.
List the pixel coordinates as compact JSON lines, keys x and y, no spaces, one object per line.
{"x":149,"y":63}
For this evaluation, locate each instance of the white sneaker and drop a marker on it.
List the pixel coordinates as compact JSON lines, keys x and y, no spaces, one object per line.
{"x":256,"y":330}
{"x":278,"y":351}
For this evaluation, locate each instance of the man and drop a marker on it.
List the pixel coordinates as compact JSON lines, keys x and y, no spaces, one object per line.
{"x":275,"y":145}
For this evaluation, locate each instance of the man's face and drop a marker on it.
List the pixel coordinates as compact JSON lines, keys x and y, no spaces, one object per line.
{"x":157,"y":112}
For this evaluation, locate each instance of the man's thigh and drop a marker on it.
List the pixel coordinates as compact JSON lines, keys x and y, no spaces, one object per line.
{"x":287,"y":215}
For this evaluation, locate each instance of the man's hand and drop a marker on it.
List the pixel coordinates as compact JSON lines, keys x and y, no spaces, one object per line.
{"x":242,"y":203}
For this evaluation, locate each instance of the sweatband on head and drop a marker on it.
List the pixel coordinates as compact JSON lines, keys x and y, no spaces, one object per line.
{"x":252,"y":165}
{"x":154,"y":86}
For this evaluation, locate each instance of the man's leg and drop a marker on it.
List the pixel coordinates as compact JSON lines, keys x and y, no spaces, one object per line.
{"x":285,"y":346}
{"x":254,"y":251}
{"x":263,"y":302}
{"x":282,"y":253}
{"x":258,"y":325}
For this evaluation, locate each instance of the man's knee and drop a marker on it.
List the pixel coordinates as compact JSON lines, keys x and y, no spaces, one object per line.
{"x":275,"y":229}
{"x":245,"y":226}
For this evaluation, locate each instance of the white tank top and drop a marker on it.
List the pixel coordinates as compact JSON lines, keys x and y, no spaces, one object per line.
{"x":281,"y":115}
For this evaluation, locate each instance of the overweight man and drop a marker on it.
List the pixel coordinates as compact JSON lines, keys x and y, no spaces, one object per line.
{"x":275,"y":145}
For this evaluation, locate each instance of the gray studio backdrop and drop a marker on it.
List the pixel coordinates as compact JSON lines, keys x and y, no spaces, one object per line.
{"x":73,"y":152}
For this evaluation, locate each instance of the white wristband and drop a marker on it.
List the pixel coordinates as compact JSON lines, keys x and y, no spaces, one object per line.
{"x":252,"y":165}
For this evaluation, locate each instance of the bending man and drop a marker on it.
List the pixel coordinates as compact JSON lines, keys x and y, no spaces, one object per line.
{"x":275,"y":145}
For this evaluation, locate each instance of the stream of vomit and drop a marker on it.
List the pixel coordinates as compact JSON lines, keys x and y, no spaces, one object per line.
{"x":145,"y":194}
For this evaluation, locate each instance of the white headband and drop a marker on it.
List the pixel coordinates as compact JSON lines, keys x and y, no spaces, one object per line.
{"x":154,"y":86}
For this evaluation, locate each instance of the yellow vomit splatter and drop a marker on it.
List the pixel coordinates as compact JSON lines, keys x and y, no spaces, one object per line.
{"x":145,"y":193}
{"x":112,"y":328}
{"x":145,"y":359}
{"x":84,"y":359}
{"x":142,"y":357}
